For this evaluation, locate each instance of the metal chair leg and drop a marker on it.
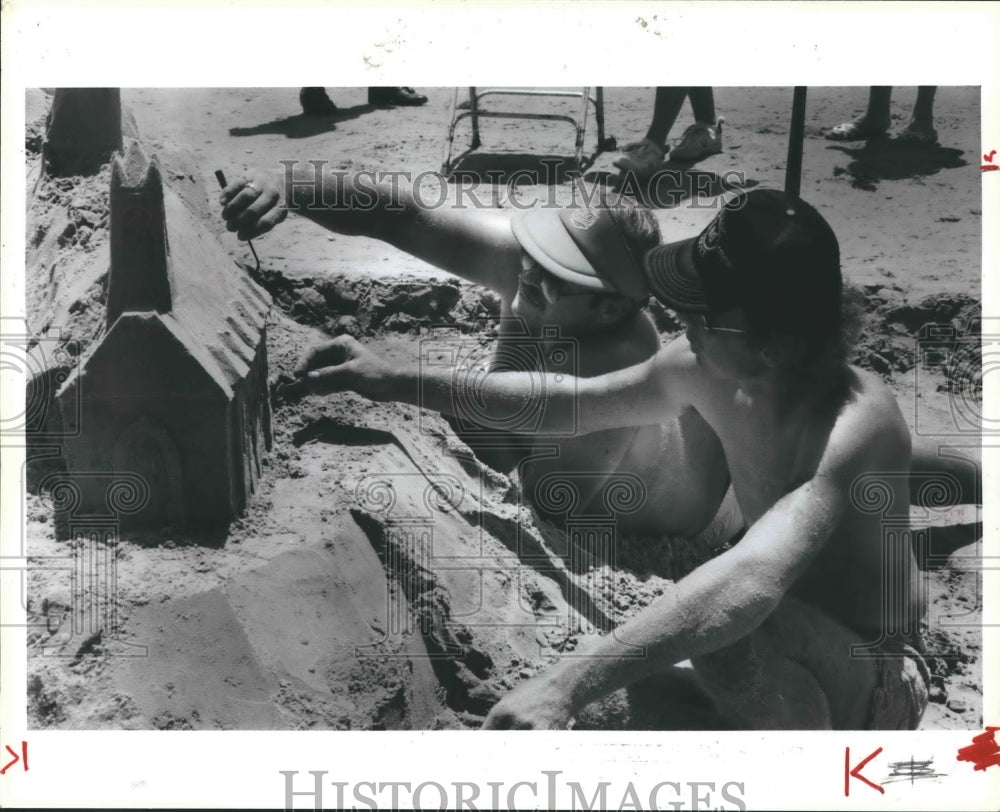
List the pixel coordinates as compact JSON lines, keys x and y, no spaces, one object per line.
{"x":474,"y":108}
{"x":450,"y":142}
{"x":581,"y":127}
{"x":599,"y":114}
{"x":587,"y":96}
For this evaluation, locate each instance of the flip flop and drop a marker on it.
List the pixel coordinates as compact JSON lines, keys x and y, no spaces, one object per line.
{"x":855,"y":131}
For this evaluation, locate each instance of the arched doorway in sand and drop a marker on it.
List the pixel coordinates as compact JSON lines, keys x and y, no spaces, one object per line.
{"x":147,"y":449}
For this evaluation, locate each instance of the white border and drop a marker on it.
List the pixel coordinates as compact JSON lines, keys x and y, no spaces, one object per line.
{"x":49,"y":44}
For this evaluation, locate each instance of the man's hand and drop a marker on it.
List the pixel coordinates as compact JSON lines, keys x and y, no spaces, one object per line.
{"x":537,"y":704}
{"x":344,"y":364}
{"x":252,"y":207}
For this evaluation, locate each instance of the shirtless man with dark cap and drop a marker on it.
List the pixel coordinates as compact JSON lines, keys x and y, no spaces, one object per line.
{"x":810,"y":620}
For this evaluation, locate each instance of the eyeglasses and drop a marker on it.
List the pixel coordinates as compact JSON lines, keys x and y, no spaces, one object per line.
{"x":700,"y":320}
{"x":553,"y":288}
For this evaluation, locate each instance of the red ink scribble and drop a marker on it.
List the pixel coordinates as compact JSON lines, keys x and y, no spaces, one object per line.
{"x":23,"y":758}
{"x":989,"y":166}
{"x":983,"y":752}
{"x":856,"y":772}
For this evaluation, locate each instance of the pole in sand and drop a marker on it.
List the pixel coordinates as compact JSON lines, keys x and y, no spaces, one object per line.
{"x":793,"y":168}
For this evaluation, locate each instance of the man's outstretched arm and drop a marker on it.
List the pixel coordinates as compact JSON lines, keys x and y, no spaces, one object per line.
{"x":474,"y":243}
{"x":645,"y":394}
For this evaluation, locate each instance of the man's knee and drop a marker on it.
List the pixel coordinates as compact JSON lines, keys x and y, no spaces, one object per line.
{"x":758,"y":687}
{"x":803,"y":653}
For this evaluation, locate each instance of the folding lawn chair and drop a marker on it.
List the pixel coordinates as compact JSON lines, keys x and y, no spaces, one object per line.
{"x":475,"y":112}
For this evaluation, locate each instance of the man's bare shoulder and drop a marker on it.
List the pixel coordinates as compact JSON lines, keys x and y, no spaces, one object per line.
{"x":635,"y":342}
{"x":872,"y":402}
{"x":676,"y":355}
{"x":868,"y":430}
{"x":677,"y":366}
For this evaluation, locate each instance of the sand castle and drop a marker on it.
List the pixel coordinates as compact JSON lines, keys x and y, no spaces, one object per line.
{"x":175,"y":390}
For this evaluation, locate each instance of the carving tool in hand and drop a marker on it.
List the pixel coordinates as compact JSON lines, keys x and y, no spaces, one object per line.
{"x":221,"y":177}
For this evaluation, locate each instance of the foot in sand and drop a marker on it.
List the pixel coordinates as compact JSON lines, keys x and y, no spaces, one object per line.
{"x":917,"y":134}
{"x":315,"y":102}
{"x":860,"y":129}
{"x":395,"y":97}
{"x":642,"y":158}
{"x":701,"y":140}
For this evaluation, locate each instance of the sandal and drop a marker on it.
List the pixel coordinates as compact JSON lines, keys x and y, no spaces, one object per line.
{"x":643,"y":158}
{"x":699,"y":141}
{"x":857,"y":130}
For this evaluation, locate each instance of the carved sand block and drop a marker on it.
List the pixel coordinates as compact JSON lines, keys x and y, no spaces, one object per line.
{"x":84,"y":129}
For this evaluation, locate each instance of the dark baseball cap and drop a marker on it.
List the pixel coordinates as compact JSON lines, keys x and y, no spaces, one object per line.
{"x":583,"y":245}
{"x":770,"y":255}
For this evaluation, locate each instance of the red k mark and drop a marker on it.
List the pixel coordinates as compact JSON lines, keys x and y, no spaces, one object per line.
{"x":989,"y":166}
{"x":22,"y":758}
{"x":856,"y":772}
{"x":983,"y":752}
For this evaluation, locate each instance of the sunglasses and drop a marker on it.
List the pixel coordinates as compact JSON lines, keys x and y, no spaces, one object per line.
{"x":553,"y":288}
{"x":700,"y":320}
